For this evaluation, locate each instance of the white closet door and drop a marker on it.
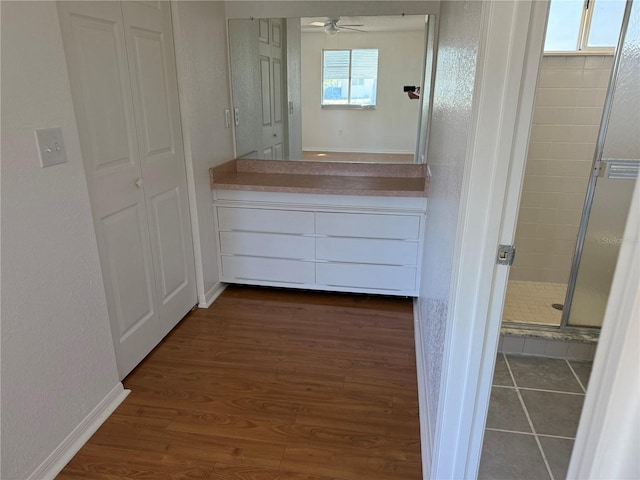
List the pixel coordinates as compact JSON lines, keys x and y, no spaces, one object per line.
{"x":154,"y":88}
{"x":97,"y":61}
{"x":140,"y":212}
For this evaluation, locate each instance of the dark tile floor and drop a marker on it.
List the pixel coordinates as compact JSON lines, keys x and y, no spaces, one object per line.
{"x":533,"y":417}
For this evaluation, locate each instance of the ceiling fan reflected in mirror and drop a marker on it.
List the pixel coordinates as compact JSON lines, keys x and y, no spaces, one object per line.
{"x":332,"y":26}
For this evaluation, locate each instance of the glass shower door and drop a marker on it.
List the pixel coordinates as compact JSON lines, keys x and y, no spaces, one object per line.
{"x":615,"y":172}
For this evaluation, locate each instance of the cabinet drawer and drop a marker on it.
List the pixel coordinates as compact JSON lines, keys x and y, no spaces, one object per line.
{"x":368,"y":226}
{"x":259,"y":220}
{"x":267,"y":245}
{"x":267,"y":270}
{"x":364,"y":250}
{"x":383,"y":277}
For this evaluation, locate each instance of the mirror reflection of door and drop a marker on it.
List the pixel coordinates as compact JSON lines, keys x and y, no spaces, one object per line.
{"x":258,"y":72}
{"x":270,"y":47}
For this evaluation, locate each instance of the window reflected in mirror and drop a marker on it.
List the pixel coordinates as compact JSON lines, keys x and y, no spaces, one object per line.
{"x":349,"y":77}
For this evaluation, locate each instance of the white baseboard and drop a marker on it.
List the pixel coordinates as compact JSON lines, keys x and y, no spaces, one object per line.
{"x":213,"y":293}
{"x":64,"y":452}
{"x":426,"y":442}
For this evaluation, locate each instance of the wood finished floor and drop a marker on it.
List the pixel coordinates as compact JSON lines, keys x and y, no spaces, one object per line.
{"x":270,"y":384}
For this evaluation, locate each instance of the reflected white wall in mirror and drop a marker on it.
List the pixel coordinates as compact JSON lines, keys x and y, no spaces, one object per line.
{"x":292,"y":101}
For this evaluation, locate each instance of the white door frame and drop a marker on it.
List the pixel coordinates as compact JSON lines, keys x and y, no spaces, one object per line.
{"x":512,"y":35}
{"x":509,"y":55}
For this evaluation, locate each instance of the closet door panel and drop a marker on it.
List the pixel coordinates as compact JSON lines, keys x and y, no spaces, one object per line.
{"x":149,"y":53}
{"x":172,"y":248}
{"x":99,"y":50}
{"x":94,"y":42}
{"x":129,"y":272}
{"x":149,"y":39}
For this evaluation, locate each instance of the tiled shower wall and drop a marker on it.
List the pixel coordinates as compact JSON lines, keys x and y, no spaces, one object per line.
{"x":568,"y":109}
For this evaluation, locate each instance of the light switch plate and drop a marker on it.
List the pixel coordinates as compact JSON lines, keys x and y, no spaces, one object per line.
{"x":51,"y":146}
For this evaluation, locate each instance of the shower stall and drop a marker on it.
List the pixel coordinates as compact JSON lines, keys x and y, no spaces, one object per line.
{"x":582,"y":166}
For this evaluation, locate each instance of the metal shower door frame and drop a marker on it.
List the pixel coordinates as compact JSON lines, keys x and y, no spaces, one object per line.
{"x":595,"y":170}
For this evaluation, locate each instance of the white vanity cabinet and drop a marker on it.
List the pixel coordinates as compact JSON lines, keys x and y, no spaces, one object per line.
{"x":320,"y":242}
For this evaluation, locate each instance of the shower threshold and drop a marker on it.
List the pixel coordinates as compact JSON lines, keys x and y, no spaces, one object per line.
{"x":548,"y":341}
{"x":588,"y":335}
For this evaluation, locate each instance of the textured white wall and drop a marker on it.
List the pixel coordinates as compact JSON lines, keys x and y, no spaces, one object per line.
{"x":392,"y":126}
{"x":450,"y":129}
{"x":58,"y":361}
{"x":201,"y":56}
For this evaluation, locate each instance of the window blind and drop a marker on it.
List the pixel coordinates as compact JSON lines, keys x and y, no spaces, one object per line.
{"x":364,"y":64}
{"x":336,"y":65}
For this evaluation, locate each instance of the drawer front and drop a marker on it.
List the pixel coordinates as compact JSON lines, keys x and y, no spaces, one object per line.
{"x":267,"y":270}
{"x":267,"y":245}
{"x":382,"y":277}
{"x":364,"y":250}
{"x":368,"y":226}
{"x":259,"y":220}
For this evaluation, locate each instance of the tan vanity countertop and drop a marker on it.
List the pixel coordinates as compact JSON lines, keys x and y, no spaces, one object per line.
{"x":332,"y":178}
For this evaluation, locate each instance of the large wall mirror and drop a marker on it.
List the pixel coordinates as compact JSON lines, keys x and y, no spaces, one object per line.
{"x":337,"y":88}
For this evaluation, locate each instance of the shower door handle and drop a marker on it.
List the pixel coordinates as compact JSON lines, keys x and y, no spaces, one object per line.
{"x":618,"y":168}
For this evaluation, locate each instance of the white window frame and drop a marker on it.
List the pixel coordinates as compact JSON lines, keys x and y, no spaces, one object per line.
{"x":346,"y":105}
{"x":583,"y":36}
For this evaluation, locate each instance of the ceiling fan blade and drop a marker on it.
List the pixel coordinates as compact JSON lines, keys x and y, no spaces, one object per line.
{"x":316,"y":24}
{"x":350,"y":25}
{"x":352,"y":29}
